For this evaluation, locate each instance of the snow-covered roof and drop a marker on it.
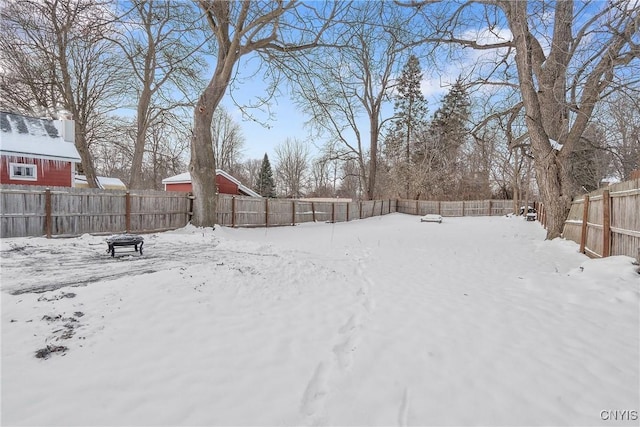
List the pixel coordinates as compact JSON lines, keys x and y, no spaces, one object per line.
{"x":104,"y":182}
{"x":185,"y":178}
{"x":23,"y":136}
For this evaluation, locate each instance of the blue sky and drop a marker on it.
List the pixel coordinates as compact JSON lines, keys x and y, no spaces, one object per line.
{"x":288,"y":121}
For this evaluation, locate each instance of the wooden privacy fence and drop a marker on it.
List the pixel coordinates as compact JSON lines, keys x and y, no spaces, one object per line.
{"x":60,"y":211}
{"x":237,"y":211}
{"x":456,"y":208}
{"x":607,"y":221}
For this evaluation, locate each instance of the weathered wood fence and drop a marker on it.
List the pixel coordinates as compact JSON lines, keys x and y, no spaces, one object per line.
{"x":237,"y":211}
{"x":60,"y":211}
{"x":607,"y":221}
{"x":37,"y":211}
{"x":456,"y":208}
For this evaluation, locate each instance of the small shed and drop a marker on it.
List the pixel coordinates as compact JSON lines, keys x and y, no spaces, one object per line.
{"x":226,"y":183}
{"x":37,"y":151}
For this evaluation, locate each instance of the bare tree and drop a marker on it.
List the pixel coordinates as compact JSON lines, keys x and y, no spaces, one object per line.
{"x":620,"y":120}
{"x":165,"y":153}
{"x":338,"y":86}
{"x":349,"y":183}
{"x":240,"y":28}
{"x":292,"y":163}
{"x":248,"y":171}
{"x":160,"y":42}
{"x":567,"y":59}
{"x":227,"y":140}
{"x":325,"y":172}
{"x":56,"y":61}
{"x":167,"y":150}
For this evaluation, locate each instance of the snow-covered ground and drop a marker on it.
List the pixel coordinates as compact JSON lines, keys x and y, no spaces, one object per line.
{"x":383,"y":321}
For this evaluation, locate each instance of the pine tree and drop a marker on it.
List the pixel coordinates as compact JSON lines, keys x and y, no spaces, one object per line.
{"x":265,"y":184}
{"x":447,"y":134}
{"x":450,"y":120}
{"x":410,"y":111}
{"x":410,"y":105}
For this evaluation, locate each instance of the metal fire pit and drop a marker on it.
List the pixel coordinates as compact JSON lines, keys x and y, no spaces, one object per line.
{"x":124,"y":240}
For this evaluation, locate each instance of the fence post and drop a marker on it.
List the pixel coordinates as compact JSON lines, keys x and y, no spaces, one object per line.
{"x":313,"y":211}
{"x":347,"y":211}
{"x":439,"y":210}
{"x":463,"y":208}
{"x":190,"y":208}
{"x":266,"y":212}
{"x":233,"y":212}
{"x":360,"y":209}
{"x":489,"y":207}
{"x":127,"y":209}
{"x":333,"y":212}
{"x":606,"y":224}
{"x":47,"y":212}
{"x":417,"y":208}
{"x":381,"y":207}
{"x":585,"y":218}
{"x":293,"y":212}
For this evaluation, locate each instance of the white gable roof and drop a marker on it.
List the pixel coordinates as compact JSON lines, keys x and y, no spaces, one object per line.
{"x":22,"y":136}
{"x":178,"y":179}
{"x":106,"y":183}
{"x":185,"y":178}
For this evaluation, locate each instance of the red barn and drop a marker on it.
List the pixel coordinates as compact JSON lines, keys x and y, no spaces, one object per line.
{"x":37,"y":151}
{"x":227,"y":184}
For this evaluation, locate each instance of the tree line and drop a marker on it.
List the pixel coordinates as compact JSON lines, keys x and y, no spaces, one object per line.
{"x":539,"y":96}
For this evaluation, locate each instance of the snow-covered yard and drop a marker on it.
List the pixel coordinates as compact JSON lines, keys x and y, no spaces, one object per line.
{"x":384,"y":321}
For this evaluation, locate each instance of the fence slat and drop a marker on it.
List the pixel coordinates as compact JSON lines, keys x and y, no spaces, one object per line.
{"x":609,"y":228}
{"x":78,"y":211}
{"x":585,"y":220}
{"x":59,"y":211}
{"x":606,"y":223}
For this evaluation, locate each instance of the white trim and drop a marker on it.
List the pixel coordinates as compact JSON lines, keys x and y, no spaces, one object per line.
{"x":16,"y":154}
{"x":241,"y":187}
{"x":183,"y":178}
{"x":32,"y":177}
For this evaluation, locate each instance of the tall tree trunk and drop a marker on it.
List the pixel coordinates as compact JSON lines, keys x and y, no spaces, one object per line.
{"x":142,"y":125}
{"x":85,"y":156}
{"x":203,"y":165}
{"x":373,"y":159}
{"x":550,"y":172}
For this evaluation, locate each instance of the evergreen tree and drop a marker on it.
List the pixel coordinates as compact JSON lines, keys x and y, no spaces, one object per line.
{"x":410,"y":105}
{"x":265,"y":185}
{"x":450,"y":120}
{"x":442,"y":144}
{"x":410,"y":111}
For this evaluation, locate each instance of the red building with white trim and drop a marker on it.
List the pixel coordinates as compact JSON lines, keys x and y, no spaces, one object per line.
{"x":36,"y":151}
{"x":226,"y":183}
